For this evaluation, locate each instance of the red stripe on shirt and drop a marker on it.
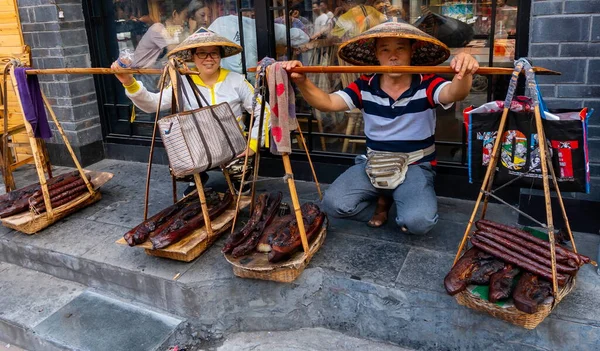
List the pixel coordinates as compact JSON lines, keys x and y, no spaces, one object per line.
{"x":431,"y":87}
{"x":356,"y":91}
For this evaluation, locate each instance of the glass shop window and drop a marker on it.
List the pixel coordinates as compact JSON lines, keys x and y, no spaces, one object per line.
{"x":152,"y":28}
{"x":316,"y":29}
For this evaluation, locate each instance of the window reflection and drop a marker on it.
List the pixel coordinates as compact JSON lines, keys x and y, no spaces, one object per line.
{"x":462,"y":25}
{"x":316,"y":28}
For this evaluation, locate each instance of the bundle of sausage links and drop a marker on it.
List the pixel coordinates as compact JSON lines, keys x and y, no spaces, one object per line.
{"x":500,"y":253}
{"x":62,"y":189}
{"x":178,"y":220}
{"x":267,"y":232}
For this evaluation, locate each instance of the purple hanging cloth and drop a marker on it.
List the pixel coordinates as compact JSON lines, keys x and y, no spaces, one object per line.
{"x":32,"y":103}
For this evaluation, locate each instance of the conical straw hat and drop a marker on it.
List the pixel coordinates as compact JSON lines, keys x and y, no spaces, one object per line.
{"x":204,"y":37}
{"x":360,"y":50}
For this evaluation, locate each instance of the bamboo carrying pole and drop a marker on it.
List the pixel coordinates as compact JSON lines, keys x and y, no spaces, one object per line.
{"x":312,"y":167}
{"x":100,"y":70}
{"x":37,"y":154}
{"x":486,"y":179}
{"x":544,"y":164}
{"x":287,"y":165}
{"x":407,"y":69}
{"x":153,"y":142}
{"x":207,"y":221}
{"x":305,"y":69}
{"x":89,"y":185}
{"x":560,"y":201}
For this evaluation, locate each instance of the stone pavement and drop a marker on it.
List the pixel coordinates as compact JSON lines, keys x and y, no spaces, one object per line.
{"x":373,"y":284}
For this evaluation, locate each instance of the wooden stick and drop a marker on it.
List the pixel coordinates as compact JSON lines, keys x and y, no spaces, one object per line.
{"x":228,"y":180}
{"x":544,"y":163}
{"x":39,"y":166}
{"x":407,"y":69}
{"x":100,"y":70}
{"x":161,"y":85}
{"x":312,"y":167}
{"x":287,"y":165}
{"x":254,"y":176}
{"x":488,"y":174}
{"x":562,"y":205}
{"x":174,"y":188}
{"x":244,"y":169}
{"x":207,"y":221}
{"x":5,"y":163}
{"x":89,"y":185}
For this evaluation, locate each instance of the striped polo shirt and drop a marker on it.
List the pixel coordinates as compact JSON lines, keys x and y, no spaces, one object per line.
{"x":403,"y":125}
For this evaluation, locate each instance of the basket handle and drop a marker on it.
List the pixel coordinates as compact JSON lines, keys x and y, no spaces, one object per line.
{"x":520,"y":65}
{"x":175,"y":75}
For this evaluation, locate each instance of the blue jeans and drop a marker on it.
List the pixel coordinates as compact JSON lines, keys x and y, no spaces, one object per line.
{"x":352,"y":196}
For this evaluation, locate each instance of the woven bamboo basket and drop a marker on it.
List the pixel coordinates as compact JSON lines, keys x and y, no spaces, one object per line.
{"x":512,"y":314}
{"x":257,"y":266}
{"x":193,"y":245}
{"x":31,"y":223}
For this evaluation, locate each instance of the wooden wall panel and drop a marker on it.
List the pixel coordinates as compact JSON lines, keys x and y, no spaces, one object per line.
{"x":13,"y":46}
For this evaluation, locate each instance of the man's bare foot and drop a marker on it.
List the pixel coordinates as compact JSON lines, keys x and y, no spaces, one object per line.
{"x":380,"y":217}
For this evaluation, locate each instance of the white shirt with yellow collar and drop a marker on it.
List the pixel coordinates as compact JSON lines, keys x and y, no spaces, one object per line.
{"x":230,"y":87}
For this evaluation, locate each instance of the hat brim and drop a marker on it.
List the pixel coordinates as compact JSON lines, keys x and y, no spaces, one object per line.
{"x":360,"y":50}
{"x":202,"y":38}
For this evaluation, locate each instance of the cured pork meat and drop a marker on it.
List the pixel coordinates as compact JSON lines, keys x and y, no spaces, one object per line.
{"x":516,"y":259}
{"x":516,"y":248}
{"x":187,"y":220}
{"x":239,"y":236}
{"x":501,"y":283}
{"x":270,"y":212}
{"x":21,"y":200}
{"x":142,"y":232}
{"x":288,"y":241}
{"x":561,"y":251}
{"x":271,"y":232}
{"x":474,"y":267}
{"x":530,"y":292}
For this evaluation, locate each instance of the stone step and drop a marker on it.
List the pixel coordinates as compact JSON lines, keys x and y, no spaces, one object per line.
{"x":368,"y":283}
{"x":42,"y":312}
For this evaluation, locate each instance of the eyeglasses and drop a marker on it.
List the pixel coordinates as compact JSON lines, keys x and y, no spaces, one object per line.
{"x":205,"y":55}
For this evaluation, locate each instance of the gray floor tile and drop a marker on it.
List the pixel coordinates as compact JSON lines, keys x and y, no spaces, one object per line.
{"x":363,"y":258}
{"x":425,"y":269}
{"x":134,"y":259}
{"x":94,"y":322}
{"x":27,"y":297}
{"x":460,"y":211}
{"x":445,"y":236}
{"x":71,"y":236}
{"x":211,"y":265}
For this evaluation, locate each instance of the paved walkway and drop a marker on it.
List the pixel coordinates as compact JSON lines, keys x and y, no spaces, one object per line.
{"x":374,"y":284}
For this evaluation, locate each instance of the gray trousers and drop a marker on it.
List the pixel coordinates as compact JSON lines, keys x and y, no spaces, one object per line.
{"x":352,"y":196}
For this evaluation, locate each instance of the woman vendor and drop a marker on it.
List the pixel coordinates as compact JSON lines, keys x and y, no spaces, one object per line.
{"x":206,"y":49}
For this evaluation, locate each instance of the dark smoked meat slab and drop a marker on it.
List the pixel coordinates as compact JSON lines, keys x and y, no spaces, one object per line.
{"x":471,"y":261}
{"x":288,"y":241}
{"x":270,"y":212}
{"x":238,"y":237}
{"x":501,"y":283}
{"x":530,"y":292}
{"x":187,"y":220}
{"x":142,"y":231}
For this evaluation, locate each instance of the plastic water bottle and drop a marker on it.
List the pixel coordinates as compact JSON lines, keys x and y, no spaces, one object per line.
{"x":125,"y":59}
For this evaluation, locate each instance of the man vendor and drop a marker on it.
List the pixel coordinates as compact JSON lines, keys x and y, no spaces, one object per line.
{"x":399,"y":123}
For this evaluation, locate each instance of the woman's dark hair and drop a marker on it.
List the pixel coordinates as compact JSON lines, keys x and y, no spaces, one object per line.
{"x":178,"y":6}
